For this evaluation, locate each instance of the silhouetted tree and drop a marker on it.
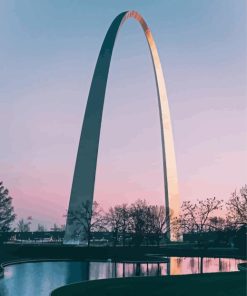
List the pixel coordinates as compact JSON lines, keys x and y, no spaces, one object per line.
{"x":237,"y":208}
{"x":55,"y":227}
{"x":87,"y":220}
{"x":139,"y":221}
{"x":125,"y":214}
{"x":117,"y":219}
{"x":216,"y":223}
{"x":7,"y":215}
{"x":195,"y":217}
{"x":158,"y":222}
{"x":41,"y":228}
{"x":24,"y":226}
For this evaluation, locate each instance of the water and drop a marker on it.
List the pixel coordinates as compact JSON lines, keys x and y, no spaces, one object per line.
{"x":41,"y":278}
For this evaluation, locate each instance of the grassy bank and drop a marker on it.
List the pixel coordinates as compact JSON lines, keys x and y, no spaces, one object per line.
{"x":214,"y":284}
{"x":35,"y":251}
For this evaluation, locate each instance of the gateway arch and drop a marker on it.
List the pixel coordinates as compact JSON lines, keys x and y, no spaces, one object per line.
{"x":86,"y":161}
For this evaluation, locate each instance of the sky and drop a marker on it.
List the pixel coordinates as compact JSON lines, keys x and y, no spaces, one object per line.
{"x":48,"y":51}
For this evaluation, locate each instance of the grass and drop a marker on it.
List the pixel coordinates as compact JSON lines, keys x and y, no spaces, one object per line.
{"x":212,"y":284}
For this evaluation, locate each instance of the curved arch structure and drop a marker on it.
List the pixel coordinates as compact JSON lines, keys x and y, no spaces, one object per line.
{"x":85,"y":168}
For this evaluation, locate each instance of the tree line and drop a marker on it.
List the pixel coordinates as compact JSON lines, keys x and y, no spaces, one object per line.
{"x":140,"y":222}
{"x":146,"y":223}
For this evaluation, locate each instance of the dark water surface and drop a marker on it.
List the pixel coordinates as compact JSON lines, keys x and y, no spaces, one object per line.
{"x":39,"y":279}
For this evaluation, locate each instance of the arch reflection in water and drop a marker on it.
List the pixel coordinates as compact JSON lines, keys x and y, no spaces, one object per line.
{"x":40,"y":278}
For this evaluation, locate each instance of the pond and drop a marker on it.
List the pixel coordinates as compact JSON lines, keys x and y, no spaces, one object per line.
{"x":41,"y":278}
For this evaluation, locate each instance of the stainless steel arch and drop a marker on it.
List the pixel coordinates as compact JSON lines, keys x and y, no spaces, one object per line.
{"x":85,"y":168}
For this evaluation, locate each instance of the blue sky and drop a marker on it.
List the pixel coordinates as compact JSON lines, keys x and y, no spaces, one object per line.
{"x":47,"y":57}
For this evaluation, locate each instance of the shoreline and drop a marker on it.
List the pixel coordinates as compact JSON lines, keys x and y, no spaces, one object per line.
{"x":10,"y":252}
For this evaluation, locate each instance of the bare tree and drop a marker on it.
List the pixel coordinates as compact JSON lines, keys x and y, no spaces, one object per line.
{"x":158,"y":222}
{"x":196,"y":217}
{"x":7,"y":215}
{"x":139,"y":221}
{"x":237,"y":208}
{"x":40,"y":228}
{"x":24,"y":226}
{"x":216,"y":223}
{"x":86,"y":219}
{"x":55,"y":227}
{"x":125,"y":222}
{"x":117,"y":220}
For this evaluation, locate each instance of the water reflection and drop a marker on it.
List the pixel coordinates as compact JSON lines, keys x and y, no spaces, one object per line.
{"x":40,"y":278}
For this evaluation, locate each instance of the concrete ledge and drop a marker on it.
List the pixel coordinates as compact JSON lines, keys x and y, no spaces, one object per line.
{"x":217,"y":284}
